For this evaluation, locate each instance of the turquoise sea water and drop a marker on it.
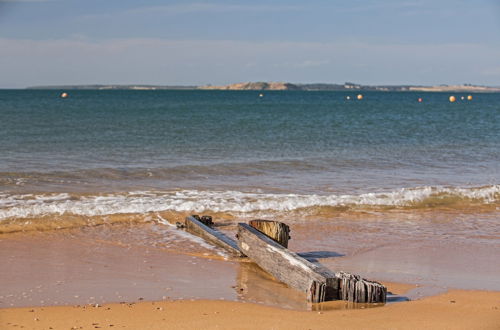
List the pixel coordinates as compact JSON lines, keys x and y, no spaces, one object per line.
{"x":233,"y":151}
{"x":306,"y":142}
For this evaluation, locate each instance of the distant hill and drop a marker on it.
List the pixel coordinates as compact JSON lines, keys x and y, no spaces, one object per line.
{"x":350,"y":87}
{"x":271,"y":86}
{"x":108,"y":87}
{"x":285,"y":86}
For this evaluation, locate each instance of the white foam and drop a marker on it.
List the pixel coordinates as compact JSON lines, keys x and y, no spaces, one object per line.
{"x":29,"y":205}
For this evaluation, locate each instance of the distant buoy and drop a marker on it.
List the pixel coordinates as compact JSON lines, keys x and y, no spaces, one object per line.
{"x":348,"y":97}
{"x":462,"y":98}
{"x":261,"y":95}
{"x":420,"y":99}
{"x":360,"y":96}
{"x":64,"y":95}
{"x":452,"y":99}
{"x":469,"y":97}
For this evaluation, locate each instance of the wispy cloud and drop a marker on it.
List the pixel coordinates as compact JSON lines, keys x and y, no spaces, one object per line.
{"x":305,"y":64}
{"x":385,"y":5}
{"x":24,"y":1}
{"x":163,"y":61}
{"x":210,"y":7}
{"x":492,"y":71}
{"x":197,"y":7}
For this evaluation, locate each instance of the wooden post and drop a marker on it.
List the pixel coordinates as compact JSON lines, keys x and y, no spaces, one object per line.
{"x":278,"y":231}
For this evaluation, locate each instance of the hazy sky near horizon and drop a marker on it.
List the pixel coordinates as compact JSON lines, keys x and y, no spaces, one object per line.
{"x":47,"y":42}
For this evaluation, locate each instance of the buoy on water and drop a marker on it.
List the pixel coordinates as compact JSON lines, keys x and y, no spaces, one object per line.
{"x":469,"y":97}
{"x":462,"y":98}
{"x":420,"y":99}
{"x":261,"y":95}
{"x":360,"y":96}
{"x":64,"y":95}
{"x":348,"y":97}
{"x":452,"y":98}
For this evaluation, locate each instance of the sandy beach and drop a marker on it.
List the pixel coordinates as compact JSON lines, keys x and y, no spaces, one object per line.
{"x":387,"y":188}
{"x":87,"y":278}
{"x":453,"y":310}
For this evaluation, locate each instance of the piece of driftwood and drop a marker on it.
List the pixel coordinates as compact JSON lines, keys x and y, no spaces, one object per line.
{"x":285,"y":265}
{"x":278,"y":231}
{"x":197,"y":228}
{"x":319,"y":283}
{"x":356,"y":289}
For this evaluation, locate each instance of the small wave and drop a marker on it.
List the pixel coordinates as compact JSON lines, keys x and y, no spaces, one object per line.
{"x":235,"y":202}
{"x":168,"y":173}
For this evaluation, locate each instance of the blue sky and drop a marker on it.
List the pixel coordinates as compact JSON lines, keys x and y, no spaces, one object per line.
{"x":45,"y":42}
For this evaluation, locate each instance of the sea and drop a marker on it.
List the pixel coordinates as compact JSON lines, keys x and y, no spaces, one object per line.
{"x":356,"y":179}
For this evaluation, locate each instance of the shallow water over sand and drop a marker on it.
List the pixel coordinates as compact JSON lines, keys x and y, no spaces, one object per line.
{"x":155,"y":260}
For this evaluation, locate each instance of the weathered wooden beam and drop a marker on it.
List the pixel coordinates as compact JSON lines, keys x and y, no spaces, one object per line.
{"x":197,"y":228}
{"x":285,"y":265}
{"x":319,"y":283}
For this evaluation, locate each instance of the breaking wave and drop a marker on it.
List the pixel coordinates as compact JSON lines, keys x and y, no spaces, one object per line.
{"x":236,"y":202}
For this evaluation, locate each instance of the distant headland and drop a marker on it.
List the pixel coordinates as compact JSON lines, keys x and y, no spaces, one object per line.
{"x":286,"y":86}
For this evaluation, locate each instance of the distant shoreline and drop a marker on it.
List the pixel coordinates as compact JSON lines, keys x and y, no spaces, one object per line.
{"x":284,"y":86}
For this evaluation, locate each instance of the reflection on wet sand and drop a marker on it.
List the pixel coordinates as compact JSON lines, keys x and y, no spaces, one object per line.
{"x":256,"y":286}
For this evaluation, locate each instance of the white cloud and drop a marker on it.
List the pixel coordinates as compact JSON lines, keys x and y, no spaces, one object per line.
{"x":195,"y":7}
{"x":210,"y":7}
{"x":160,"y":61}
{"x":13,"y":1}
{"x":491,"y":71}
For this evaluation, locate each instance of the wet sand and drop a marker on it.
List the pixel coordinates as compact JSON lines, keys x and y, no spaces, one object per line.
{"x":81,"y":267}
{"x":126,"y":262}
{"x":150,"y":275}
{"x":453,"y":310}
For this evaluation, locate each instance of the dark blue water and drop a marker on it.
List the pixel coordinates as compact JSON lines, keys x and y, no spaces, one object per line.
{"x":291,"y":141}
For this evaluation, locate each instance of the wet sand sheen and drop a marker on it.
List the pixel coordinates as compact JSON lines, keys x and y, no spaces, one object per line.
{"x":125,"y":262}
{"x":80,"y":267}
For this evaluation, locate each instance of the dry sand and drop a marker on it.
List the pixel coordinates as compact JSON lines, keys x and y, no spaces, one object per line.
{"x":453,"y":310}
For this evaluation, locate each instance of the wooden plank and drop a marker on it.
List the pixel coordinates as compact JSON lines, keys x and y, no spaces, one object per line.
{"x":319,"y":283}
{"x":285,"y":265}
{"x":197,"y":228}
